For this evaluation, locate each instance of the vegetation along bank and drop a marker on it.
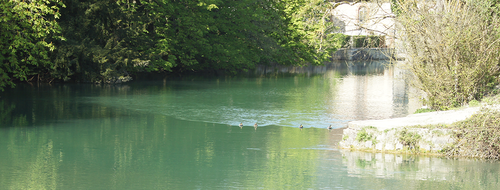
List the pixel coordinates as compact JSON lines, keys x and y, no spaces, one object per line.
{"x":110,"y":41}
{"x":453,"y":55}
{"x":473,"y":131}
{"x":452,"y":47}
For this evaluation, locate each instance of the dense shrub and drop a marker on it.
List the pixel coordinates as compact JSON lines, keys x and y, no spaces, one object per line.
{"x":363,"y":136}
{"x":368,"y":41}
{"x":453,"y":48}
{"x":363,"y":41}
{"x":408,"y":138}
{"x":478,"y":136}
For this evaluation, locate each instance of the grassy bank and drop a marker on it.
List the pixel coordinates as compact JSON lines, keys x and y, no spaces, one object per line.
{"x":477,"y":136}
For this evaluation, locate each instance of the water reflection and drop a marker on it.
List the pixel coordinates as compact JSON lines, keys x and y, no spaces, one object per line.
{"x":380,"y":95}
{"x":25,"y":166}
{"x":332,"y":94}
{"x":457,"y":173}
{"x":359,"y":90}
{"x":155,"y":151}
{"x":184,"y":134}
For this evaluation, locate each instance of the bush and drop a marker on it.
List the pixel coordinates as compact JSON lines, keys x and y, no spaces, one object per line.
{"x":345,"y":137}
{"x":364,"y":136}
{"x":346,"y":41}
{"x":424,"y":110}
{"x":474,"y":103}
{"x":363,"y":41}
{"x":478,"y":136}
{"x":409,"y":139}
{"x":453,"y":49}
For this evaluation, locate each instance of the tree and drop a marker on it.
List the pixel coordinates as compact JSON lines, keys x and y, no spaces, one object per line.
{"x":453,"y":48}
{"x":105,"y":41}
{"x":101,"y":38}
{"x":27,"y":29}
{"x":311,"y":22}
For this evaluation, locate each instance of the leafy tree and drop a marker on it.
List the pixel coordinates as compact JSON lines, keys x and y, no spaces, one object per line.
{"x":311,"y":21}
{"x":27,"y":29}
{"x":105,"y":41}
{"x":99,"y":45}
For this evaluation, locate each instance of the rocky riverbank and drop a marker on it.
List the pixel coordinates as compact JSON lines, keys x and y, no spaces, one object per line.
{"x":414,"y":132}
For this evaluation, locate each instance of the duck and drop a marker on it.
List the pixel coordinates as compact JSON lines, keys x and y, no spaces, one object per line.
{"x":301,"y":126}
{"x":330,"y":127}
{"x":241,"y":124}
{"x":255,"y":125}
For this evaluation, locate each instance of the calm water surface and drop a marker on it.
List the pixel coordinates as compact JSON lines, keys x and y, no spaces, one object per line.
{"x":184,"y":134}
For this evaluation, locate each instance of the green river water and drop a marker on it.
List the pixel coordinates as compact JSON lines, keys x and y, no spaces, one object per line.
{"x":184,"y":134}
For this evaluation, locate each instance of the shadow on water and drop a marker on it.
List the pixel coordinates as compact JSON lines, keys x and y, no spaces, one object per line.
{"x":35,"y":105}
{"x":342,"y":67}
{"x":315,"y":96}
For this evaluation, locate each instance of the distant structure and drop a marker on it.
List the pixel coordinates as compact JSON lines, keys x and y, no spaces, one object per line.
{"x":362,"y":20}
{"x":355,"y":17}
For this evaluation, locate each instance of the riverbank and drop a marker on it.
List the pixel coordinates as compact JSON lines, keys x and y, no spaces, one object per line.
{"x":439,"y":132}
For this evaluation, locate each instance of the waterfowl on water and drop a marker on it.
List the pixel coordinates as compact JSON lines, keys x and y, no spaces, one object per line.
{"x":241,"y":124}
{"x":330,"y":127}
{"x":301,"y":126}
{"x":255,"y":125}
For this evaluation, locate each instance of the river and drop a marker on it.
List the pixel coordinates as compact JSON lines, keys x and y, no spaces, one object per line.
{"x":183,"y":134}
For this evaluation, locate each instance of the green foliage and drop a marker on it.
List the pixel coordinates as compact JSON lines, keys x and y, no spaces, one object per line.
{"x":345,"y":41}
{"x":364,"y":41}
{"x":395,"y":7}
{"x":364,"y":136}
{"x":345,"y":137}
{"x":408,"y":138}
{"x":27,"y":29}
{"x":368,"y":41}
{"x":361,"y":163}
{"x":103,"y":41}
{"x":312,"y":29}
{"x":491,"y":100}
{"x":106,"y":41}
{"x":438,"y":133}
{"x":454,"y":51}
{"x":478,"y":136}
{"x":6,"y":113}
{"x":112,"y":39}
{"x":474,"y":103}
{"x":424,"y":110}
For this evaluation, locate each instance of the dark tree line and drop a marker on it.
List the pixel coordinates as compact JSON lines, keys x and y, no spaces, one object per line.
{"x":106,"y":41}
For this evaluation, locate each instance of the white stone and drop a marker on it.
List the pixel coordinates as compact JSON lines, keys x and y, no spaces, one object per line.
{"x":379,"y":146}
{"x":389,"y":146}
{"x":368,"y":144}
{"x":425,"y":146}
{"x":399,"y":146}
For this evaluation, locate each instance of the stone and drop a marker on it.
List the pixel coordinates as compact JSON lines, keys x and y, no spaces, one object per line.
{"x":368,"y":144}
{"x":399,"y":146}
{"x":425,"y":146}
{"x":389,"y":146}
{"x":379,"y":146}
